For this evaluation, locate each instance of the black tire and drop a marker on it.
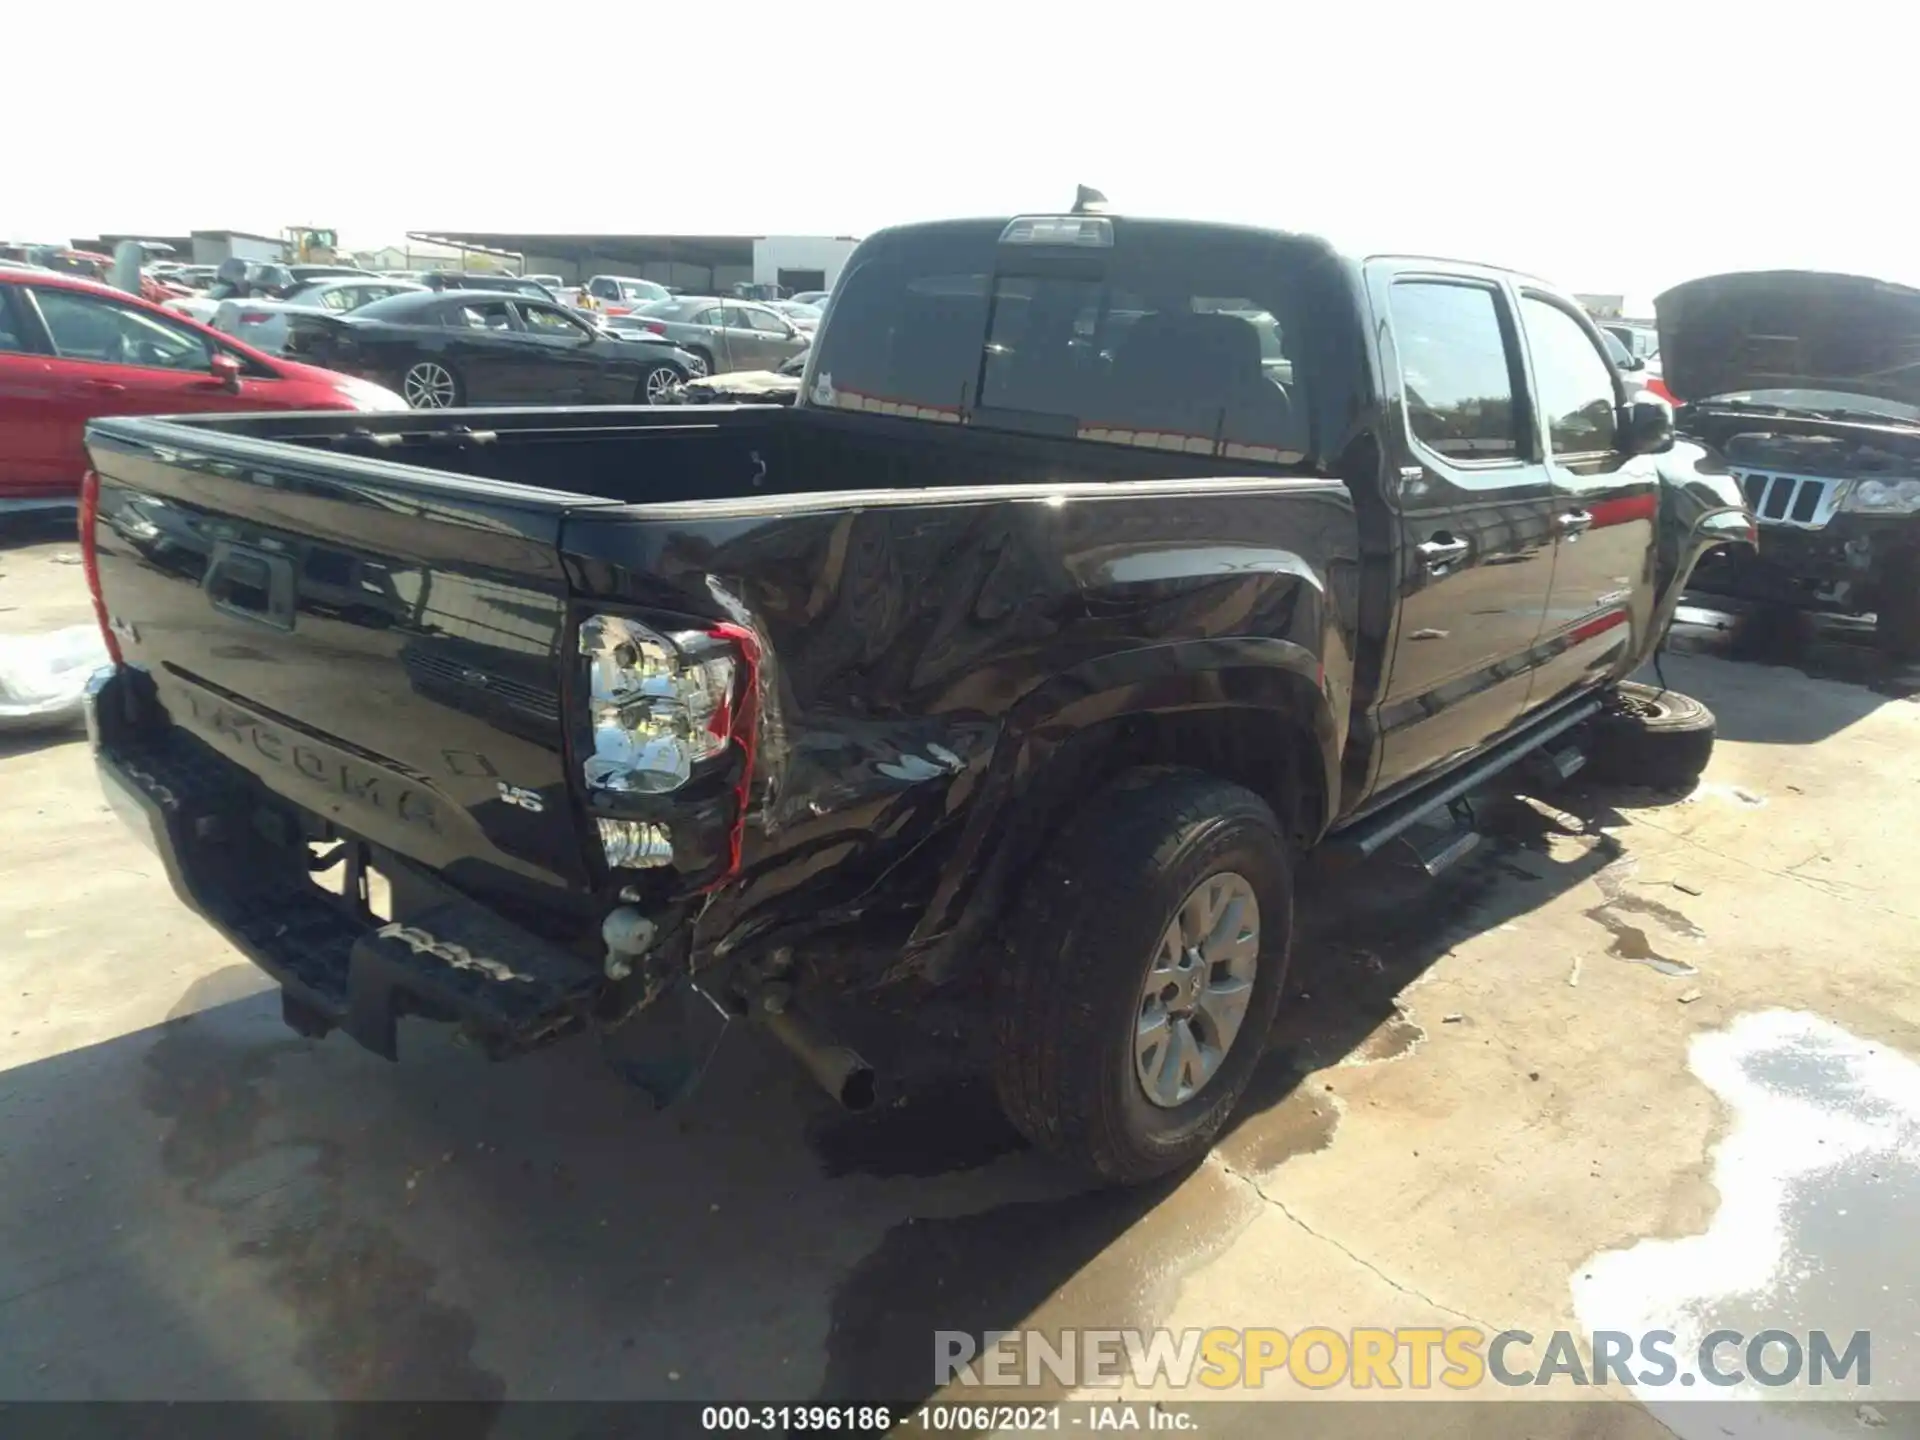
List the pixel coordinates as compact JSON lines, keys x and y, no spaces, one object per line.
{"x":644,"y":393}
{"x":1652,"y":737}
{"x":1896,"y":616}
{"x":1082,"y":937}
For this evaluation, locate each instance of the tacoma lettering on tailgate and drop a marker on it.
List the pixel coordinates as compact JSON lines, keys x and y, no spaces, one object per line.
{"x":323,"y":767}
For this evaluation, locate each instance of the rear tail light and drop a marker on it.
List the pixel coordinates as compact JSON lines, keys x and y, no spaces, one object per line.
{"x":654,"y":326}
{"x":659,"y":706}
{"x":90,"y":559}
{"x":635,"y":844}
{"x":254,"y":317}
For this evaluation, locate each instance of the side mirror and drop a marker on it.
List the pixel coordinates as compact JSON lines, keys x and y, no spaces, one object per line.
{"x":226,"y":369}
{"x":1635,"y":362}
{"x":1646,"y":426}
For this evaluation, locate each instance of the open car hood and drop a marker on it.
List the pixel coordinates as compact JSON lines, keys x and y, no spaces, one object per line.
{"x":1790,"y":330}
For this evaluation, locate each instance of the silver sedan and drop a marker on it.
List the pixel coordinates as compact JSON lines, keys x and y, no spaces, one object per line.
{"x":722,"y":335}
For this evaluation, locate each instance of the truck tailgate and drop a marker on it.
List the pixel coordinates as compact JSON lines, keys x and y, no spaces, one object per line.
{"x":381,"y":645}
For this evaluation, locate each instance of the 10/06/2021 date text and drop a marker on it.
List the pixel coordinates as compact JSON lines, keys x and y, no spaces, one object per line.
{"x":996,"y":1419}
{"x":942,"y":1419}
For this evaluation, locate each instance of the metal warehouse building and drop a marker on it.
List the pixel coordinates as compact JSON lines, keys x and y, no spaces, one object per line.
{"x":685,"y":262}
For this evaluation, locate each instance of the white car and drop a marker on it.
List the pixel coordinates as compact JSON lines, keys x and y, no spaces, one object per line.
{"x":263,"y":324}
{"x":622,"y":294}
{"x":264,"y":279}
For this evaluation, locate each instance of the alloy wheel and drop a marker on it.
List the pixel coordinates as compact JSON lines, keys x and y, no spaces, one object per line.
{"x":428,"y":386}
{"x":1197,"y":989}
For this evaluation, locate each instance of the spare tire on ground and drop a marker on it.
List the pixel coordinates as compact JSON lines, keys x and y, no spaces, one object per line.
{"x":1652,"y":736}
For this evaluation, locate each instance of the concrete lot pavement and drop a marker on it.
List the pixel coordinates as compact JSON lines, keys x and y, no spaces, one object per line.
{"x":1486,"y":1088}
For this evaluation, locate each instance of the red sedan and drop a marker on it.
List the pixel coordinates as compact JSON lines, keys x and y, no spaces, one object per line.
{"x":71,"y":350}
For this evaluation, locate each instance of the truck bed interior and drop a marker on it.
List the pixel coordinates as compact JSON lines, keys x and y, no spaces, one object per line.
{"x":641,"y":455}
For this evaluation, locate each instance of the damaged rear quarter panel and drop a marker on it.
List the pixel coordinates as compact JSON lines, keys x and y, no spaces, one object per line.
{"x":922,"y":657}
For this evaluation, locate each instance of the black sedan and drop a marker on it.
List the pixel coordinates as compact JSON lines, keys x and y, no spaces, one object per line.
{"x":480,"y":348}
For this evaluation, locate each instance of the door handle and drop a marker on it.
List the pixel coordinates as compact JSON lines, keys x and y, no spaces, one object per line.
{"x":1572,"y":522}
{"x":1438,"y":552}
{"x":250,"y":584}
{"x":109,"y":387}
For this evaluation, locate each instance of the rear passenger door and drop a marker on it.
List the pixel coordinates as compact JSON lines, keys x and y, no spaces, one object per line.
{"x":748,"y":348}
{"x":1605,"y":502}
{"x":496,"y":366}
{"x":1471,"y":514}
{"x":776,"y":336}
{"x":572,"y":373}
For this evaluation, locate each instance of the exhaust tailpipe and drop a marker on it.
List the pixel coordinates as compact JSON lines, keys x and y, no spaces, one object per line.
{"x":837,"y":1070}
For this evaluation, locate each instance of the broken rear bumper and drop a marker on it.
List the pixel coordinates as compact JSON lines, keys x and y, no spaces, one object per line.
{"x":237,"y":856}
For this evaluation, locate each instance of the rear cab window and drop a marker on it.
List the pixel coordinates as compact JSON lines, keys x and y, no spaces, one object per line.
{"x":1200,"y":339}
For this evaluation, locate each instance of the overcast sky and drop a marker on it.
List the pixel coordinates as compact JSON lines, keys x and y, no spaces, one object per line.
{"x":1612,"y":147}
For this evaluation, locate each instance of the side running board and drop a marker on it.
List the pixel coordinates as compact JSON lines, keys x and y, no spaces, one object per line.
{"x":1372,"y":830}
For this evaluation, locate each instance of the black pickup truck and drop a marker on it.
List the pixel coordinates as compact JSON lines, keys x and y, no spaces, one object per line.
{"x":1105,"y":566}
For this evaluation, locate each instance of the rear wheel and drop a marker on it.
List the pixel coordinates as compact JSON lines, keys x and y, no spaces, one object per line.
{"x":1650,"y":735}
{"x":430,"y":385}
{"x":702,"y":361}
{"x":659,"y":383}
{"x":1144,"y":965}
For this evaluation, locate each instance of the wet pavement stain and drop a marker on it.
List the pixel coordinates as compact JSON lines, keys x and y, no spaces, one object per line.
{"x":1108,"y":1258}
{"x":1630,"y":941}
{"x":987,"y":1271}
{"x":370,"y":1328}
{"x":1818,"y":1179}
{"x":367,"y":1323}
{"x":1280,"y":1117}
{"x":212,"y":1096}
{"x":1393,"y":1039}
{"x":1668,"y":916}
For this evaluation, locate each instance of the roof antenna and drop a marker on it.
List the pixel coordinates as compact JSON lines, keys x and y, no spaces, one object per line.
{"x":1089,"y":201}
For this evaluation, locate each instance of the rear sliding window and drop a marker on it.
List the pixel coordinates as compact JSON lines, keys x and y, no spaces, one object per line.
{"x":1178,"y":338}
